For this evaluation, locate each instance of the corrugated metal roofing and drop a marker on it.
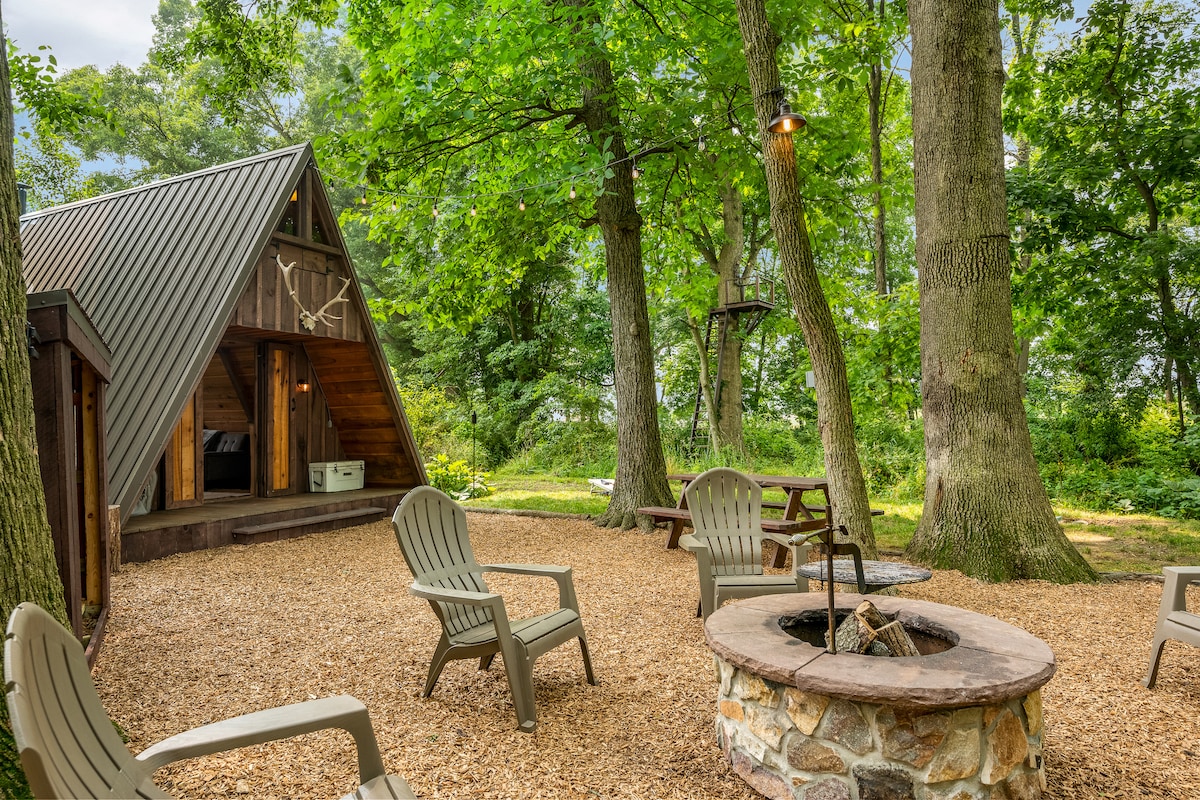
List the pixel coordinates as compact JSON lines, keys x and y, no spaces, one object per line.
{"x":159,"y":269}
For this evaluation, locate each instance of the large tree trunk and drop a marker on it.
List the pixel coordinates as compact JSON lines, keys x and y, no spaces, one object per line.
{"x":986,"y":509}
{"x":848,"y":491}
{"x":28,"y":569}
{"x":641,"y":478}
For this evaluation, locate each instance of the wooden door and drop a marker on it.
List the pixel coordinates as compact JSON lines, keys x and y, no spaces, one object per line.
{"x":184,"y":460}
{"x":279,"y":432}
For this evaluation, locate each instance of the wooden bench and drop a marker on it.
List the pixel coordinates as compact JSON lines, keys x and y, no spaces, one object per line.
{"x":875,"y":512}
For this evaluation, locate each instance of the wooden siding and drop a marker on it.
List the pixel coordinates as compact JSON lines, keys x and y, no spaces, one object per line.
{"x":360,"y":408}
{"x":317,"y":278}
{"x":223,"y":408}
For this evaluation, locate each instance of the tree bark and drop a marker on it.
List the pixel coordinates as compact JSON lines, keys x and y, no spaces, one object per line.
{"x":848,"y":491}
{"x":986,"y":510}
{"x":875,"y":107}
{"x":727,"y":393}
{"x":28,"y":569}
{"x":641,"y":478}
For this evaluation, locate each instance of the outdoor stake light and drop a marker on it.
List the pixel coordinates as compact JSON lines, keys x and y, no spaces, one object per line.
{"x":786,"y":120}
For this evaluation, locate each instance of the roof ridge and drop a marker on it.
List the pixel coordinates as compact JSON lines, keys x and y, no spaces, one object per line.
{"x":232,"y":165}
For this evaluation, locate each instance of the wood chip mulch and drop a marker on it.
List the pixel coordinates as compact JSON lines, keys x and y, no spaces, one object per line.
{"x":199,"y":637}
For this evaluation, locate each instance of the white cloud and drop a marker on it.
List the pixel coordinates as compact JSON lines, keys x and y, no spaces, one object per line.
{"x":100,"y":32}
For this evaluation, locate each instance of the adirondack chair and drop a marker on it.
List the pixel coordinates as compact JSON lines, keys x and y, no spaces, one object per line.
{"x":70,"y":749}
{"x":1174,"y":620}
{"x":726,"y":509}
{"x":432,"y":532}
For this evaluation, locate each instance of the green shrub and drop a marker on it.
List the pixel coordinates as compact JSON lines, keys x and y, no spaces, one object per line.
{"x":457,"y":479}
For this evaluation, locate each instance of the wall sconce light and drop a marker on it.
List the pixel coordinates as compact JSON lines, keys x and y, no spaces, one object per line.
{"x":302,"y":385}
{"x":786,"y":120}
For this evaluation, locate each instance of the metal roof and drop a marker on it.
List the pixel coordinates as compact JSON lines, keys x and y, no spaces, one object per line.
{"x":159,"y":269}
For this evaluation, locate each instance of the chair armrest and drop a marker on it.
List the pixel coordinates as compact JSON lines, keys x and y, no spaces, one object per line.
{"x":1175,"y":583}
{"x":799,"y":551}
{"x":561,"y":575}
{"x":460,"y":596}
{"x":549,"y":570}
{"x":343,"y":711}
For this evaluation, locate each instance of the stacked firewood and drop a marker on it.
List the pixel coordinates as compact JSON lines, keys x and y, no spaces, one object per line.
{"x":868,"y":632}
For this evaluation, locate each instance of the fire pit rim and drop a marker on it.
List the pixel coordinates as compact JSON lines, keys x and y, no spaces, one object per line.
{"x":992,"y":660}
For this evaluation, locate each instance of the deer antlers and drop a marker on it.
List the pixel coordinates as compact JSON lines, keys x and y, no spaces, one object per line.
{"x":308,"y":319}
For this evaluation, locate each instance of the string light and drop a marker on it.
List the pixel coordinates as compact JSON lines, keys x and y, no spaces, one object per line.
{"x":435,"y":211}
{"x":394,"y":208}
{"x":473,"y":211}
{"x":572,"y":195}
{"x":364,"y":197}
{"x":521,"y":205}
{"x":700,"y":143}
{"x":634,"y":172}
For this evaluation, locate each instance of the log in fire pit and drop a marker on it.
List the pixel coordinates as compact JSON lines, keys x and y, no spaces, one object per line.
{"x":960,"y":721}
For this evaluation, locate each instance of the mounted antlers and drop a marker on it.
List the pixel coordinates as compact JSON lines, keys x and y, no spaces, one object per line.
{"x":308,"y":319}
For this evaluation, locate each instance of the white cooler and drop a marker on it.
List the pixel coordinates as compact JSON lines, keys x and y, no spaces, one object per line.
{"x":335,"y":476}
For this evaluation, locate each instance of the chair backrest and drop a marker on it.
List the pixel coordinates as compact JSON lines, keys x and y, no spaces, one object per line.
{"x":69,"y":747}
{"x":431,"y":530}
{"x":726,"y":509}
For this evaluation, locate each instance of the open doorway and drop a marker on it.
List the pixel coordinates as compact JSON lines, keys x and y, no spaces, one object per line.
{"x":228,"y":419}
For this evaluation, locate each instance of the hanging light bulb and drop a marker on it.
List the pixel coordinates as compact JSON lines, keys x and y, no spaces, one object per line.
{"x":435,"y":211}
{"x":521,"y":205}
{"x":393,"y":206}
{"x":473,"y":211}
{"x":572,"y":195}
{"x":634,"y":172}
{"x":364,"y":197}
{"x":700,"y":145}
{"x":786,"y":120}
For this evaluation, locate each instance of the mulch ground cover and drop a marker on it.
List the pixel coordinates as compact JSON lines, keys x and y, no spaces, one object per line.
{"x":202,"y":636}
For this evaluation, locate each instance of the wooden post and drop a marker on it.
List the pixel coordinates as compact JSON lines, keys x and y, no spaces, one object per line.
{"x":114,"y":538}
{"x":93,"y":503}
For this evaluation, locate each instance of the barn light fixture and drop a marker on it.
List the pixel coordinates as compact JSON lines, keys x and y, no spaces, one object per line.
{"x":303,"y":385}
{"x":786,"y":120}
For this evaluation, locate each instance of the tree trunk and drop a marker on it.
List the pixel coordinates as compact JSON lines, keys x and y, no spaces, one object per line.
{"x":986,"y":509}
{"x":728,"y":391}
{"x":875,"y":106}
{"x":848,"y":491}
{"x":641,"y":478}
{"x":28,"y":569}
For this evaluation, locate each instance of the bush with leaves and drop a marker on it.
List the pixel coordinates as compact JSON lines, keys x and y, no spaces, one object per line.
{"x":457,"y":479}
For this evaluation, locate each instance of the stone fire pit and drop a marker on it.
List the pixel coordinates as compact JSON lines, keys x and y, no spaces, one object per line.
{"x":963,"y":721}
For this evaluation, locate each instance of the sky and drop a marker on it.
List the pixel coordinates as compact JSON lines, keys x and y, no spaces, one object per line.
{"x":100,"y":32}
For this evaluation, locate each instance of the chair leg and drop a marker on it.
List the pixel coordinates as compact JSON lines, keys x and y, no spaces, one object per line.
{"x":587,"y":661}
{"x":440,"y":656}
{"x":519,"y":669}
{"x":485,"y":662}
{"x":1156,"y":649}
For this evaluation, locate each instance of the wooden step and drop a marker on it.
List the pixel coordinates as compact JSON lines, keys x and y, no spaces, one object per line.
{"x":302,"y":526}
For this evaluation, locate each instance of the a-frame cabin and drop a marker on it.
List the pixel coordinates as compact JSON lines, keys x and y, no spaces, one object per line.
{"x":242,"y":353}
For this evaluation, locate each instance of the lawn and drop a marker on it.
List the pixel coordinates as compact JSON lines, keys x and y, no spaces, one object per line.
{"x":1111,"y":542}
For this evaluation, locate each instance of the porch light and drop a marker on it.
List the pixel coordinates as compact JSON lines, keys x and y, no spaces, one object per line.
{"x":786,"y":120}
{"x":302,"y":385}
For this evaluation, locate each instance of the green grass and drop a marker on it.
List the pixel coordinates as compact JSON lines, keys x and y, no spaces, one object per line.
{"x":1111,"y":542}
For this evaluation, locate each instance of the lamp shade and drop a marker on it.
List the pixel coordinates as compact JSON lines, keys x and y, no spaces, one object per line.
{"x":786,"y":120}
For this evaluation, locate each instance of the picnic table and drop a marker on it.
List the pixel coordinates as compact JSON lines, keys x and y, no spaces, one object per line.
{"x":797,"y":515}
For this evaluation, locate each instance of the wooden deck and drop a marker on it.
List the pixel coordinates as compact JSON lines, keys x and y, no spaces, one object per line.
{"x":250,"y":519}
